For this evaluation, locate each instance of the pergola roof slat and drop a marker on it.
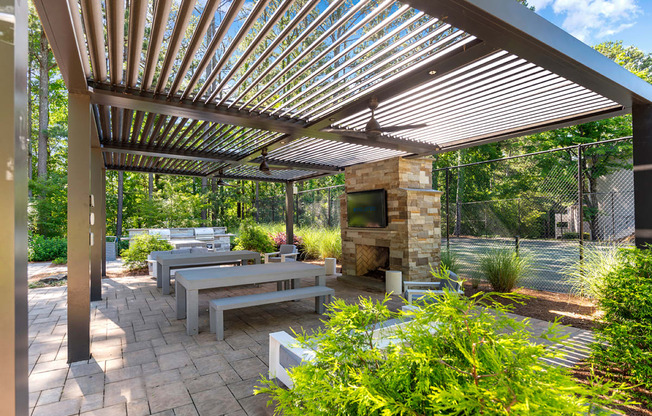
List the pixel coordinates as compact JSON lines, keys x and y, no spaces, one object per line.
{"x":257,"y":10}
{"x":207,"y":16}
{"x":161,"y":15}
{"x":115,"y":19}
{"x":253,"y":45}
{"x":183,"y":18}
{"x":137,"y":17}
{"x":292,"y":78}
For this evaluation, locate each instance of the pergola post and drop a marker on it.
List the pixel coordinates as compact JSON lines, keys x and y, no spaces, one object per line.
{"x":79,"y":190}
{"x":642,"y":124}
{"x":289,"y":212}
{"x":102,"y":220}
{"x":97,"y":163}
{"x":14,"y":142}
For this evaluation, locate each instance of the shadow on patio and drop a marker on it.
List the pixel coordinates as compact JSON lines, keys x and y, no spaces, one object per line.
{"x":144,"y":363}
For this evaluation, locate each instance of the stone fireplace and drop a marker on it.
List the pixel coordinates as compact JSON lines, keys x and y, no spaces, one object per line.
{"x":412,"y":239}
{"x":370,"y":258}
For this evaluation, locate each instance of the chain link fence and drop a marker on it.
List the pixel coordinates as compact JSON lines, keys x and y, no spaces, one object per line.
{"x":531,"y":204}
{"x":312,"y":208}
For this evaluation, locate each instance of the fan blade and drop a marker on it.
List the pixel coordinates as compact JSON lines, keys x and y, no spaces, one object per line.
{"x":351,"y":133}
{"x":391,"y":129}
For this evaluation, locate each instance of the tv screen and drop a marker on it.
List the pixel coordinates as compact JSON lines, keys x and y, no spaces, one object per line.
{"x":367,"y":209}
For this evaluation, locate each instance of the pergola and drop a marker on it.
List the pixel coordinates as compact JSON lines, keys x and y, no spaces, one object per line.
{"x":206,"y":87}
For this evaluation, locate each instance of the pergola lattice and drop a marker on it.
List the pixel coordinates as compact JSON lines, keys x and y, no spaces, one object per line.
{"x":278,"y":74}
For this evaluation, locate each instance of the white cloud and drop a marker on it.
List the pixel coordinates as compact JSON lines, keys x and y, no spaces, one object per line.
{"x":593,"y":19}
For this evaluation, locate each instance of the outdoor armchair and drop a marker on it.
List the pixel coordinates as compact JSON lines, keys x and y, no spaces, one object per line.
{"x":287,"y":252}
{"x":417,"y":290}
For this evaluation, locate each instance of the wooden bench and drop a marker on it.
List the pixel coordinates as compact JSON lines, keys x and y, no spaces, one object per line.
{"x":218,"y":306}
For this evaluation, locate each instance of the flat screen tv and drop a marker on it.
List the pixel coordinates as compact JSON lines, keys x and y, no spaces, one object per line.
{"x":367,"y":209}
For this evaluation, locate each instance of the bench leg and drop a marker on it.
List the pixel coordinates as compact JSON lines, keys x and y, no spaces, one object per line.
{"x":211,"y":319}
{"x":180,"y":293}
{"x":165,"y":278}
{"x":319,"y":304}
{"x":218,"y":322}
{"x":159,"y":273}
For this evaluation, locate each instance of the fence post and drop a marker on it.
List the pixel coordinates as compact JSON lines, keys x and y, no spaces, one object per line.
{"x":580,"y":199}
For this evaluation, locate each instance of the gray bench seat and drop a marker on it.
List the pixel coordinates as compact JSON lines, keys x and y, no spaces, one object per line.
{"x":218,"y":306}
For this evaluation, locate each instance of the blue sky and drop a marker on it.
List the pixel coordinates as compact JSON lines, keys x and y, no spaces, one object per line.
{"x":596,"y":21}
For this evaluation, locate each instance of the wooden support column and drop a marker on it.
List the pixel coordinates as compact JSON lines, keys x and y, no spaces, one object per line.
{"x":289,"y":212}
{"x":14,"y":142}
{"x":642,"y":123}
{"x":79,"y":190}
{"x":97,"y":163}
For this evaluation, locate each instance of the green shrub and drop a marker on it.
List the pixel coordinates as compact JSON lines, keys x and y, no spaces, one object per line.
{"x":46,"y":249}
{"x":474,"y":361}
{"x":135,"y":257}
{"x":312,"y":242}
{"x":449,"y":259}
{"x":253,"y":237}
{"x":122,"y":246}
{"x":624,"y":338}
{"x":503,"y":268}
{"x":588,"y":276}
{"x":320,"y":243}
{"x":60,"y":260}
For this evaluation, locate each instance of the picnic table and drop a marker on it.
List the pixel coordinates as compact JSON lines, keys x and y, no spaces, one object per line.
{"x":188,"y":283}
{"x":167,"y":261}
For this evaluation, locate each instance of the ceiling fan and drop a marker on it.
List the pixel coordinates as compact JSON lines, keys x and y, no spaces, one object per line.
{"x":264,"y":167}
{"x":373,"y":130}
{"x":220,"y":181}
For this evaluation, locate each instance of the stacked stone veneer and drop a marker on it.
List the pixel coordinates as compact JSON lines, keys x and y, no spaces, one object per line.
{"x":413,"y":234}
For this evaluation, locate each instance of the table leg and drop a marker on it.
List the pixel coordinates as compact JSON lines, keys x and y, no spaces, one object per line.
{"x":159,"y":272}
{"x":296,"y":283}
{"x":166,"y":280}
{"x":180,"y":293}
{"x":320,"y":300}
{"x":257,"y":260}
{"x":192,"y":312}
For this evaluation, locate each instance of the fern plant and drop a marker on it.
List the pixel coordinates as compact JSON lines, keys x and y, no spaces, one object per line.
{"x":457,"y":356}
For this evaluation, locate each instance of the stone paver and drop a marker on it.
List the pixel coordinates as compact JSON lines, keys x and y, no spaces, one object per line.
{"x":143,"y":363}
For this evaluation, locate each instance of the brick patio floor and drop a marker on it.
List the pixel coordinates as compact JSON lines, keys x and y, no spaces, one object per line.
{"x":143,"y":363}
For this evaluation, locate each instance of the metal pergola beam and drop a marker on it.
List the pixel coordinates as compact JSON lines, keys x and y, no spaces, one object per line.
{"x":193,"y":173}
{"x":57,"y":20}
{"x":102,"y":94}
{"x":207,"y":157}
{"x":512,"y":27}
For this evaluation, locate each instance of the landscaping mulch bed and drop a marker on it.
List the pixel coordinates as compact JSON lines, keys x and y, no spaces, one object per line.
{"x":567,"y":309}
{"x":582,"y":374}
{"x":574,"y":311}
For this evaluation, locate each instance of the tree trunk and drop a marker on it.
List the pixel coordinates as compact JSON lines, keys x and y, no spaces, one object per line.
{"x":151,"y":186}
{"x":257,"y":201}
{"x":43,"y":107}
{"x":204,"y":211}
{"x":30,"y":109}
{"x":118,"y":225}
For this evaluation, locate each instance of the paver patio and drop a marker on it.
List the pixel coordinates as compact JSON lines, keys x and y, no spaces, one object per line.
{"x":144,"y":363}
